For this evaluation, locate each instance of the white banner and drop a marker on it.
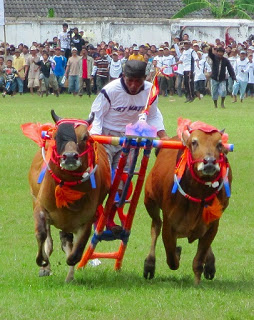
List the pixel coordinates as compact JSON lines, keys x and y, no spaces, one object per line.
{"x":1,"y":12}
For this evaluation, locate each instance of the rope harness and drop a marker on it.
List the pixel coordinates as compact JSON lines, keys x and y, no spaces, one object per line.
{"x":186,"y":161}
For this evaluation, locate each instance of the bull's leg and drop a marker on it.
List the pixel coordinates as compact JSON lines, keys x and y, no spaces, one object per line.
{"x":41,"y":235}
{"x":154,"y":212}
{"x":204,"y":252}
{"x":172,"y":251}
{"x":67,"y":245}
{"x":209,"y":268}
{"x":48,"y":248}
{"x":79,"y":243}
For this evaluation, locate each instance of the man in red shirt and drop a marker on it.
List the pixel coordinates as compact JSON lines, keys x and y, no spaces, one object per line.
{"x":85,"y":76}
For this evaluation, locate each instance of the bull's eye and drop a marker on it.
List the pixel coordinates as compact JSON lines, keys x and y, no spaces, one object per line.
{"x":219,"y":146}
{"x":84,"y":137}
{"x":194,"y":143}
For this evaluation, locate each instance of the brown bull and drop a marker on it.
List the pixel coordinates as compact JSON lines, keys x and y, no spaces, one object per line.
{"x":65,"y":198}
{"x":199,"y":198}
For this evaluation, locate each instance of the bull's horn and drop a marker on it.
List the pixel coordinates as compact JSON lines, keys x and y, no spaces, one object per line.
{"x":222,"y":131}
{"x":54,"y":116}
{"x":189,"y":128}
{"x":91,"y":118}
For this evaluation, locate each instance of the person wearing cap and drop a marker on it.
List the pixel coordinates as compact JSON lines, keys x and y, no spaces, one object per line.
{"x":32,"y":70}
{"x":60,"y":65}
{"x":72,"y":72}
{"x":167,"y":81}
{"x":242,"y":72}
{"x":218,"y":76}
{"x":85,"y":72}
{"x":119,"y":103}
{"x":136,"y":55}
{"x":115,"y":67}
{"x":188,"y":58}
{"x":101,"y":69}
{"x":19,"y":65}
{"x":199,"y":75}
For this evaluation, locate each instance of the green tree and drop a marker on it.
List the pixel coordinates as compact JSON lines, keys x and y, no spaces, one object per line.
{"x":219,"y":8}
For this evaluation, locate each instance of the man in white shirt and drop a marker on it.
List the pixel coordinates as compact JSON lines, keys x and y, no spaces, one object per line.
{"x":188,"y":57}
{"x":250,"y":86}
{"x":167,"y":81}
{"x":199,"y":75}
{"x":115,"y":67}
{"x":64,"y":41}
{"x":241,"y":72}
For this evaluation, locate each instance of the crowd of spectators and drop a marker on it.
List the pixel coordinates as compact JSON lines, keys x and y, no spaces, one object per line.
{"x":70,"y":63}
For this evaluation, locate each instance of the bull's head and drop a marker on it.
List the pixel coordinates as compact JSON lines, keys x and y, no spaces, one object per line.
{"x":71,"y":137}
{"x":206,"y":150}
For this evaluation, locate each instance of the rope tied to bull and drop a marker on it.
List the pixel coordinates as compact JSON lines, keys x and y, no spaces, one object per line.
{"x":213,"y":211}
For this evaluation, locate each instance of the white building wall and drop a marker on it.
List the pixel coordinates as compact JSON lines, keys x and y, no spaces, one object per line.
{"x":125,"y":31}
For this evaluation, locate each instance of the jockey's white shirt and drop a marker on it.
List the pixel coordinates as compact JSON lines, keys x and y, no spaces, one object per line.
{"x":241,"y":70}
{"x":114,"y":108}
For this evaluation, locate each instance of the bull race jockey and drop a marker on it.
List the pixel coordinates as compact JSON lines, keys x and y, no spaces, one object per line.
{"x":119,"y":103}
{"x":218,"y":77}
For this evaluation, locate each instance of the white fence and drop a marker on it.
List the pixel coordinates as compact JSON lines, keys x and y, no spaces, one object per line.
{"x":125,"y":31}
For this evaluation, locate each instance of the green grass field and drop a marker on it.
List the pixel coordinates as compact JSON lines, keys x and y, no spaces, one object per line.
{"x":102,"y":293}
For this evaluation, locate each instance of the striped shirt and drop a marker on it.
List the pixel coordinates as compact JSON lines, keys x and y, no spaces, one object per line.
{"x":101,"y":67}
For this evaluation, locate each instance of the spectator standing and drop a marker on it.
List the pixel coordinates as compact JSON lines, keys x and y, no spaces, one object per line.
{"x":241,"y":71}
{"x":45,"y":68}
{"x":101,"y":69}
{"x":167,"y":82}
{"x":188,"y":57}
{"x":125,"y":57}
{"x":85,"y":75}
{"x":136,"y":55}
{"x":76,"y":40}
{"x":218,"y":77}
{"x":72,"y":72}
{"x":199,"y":76}
{"x":32,"y":70}
{"x":232,"y":57}
{"x":60,"y":65}
{"x":64,"y":41}
{"x":250,"y":86}
{"x":19,"y":65}
{"x":115,"y":67}
{"x":179,"y":77}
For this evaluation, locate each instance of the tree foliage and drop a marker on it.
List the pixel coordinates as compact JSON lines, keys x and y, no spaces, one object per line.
{"x":219,"y":8}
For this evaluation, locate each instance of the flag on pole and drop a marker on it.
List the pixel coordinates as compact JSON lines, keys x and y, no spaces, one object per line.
{"x":2,"y":13}
{"x":154,"y":91}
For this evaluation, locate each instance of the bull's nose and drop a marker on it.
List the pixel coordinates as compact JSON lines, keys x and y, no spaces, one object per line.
{"x":209,"y":160}
{"x":70,"y":156}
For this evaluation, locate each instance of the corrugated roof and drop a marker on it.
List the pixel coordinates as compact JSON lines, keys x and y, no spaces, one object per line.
{"x":95,"y":8}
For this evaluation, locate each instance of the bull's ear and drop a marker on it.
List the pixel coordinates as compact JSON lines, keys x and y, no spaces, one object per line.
{"x":54,"y":116}
{"x":185,"y":137}
{"x":91,"y":118}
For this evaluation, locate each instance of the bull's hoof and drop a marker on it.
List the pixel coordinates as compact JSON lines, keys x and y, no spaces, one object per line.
{"x":44,"y":273}
{"x":149,"y":268}
{"x":209,"y":271}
